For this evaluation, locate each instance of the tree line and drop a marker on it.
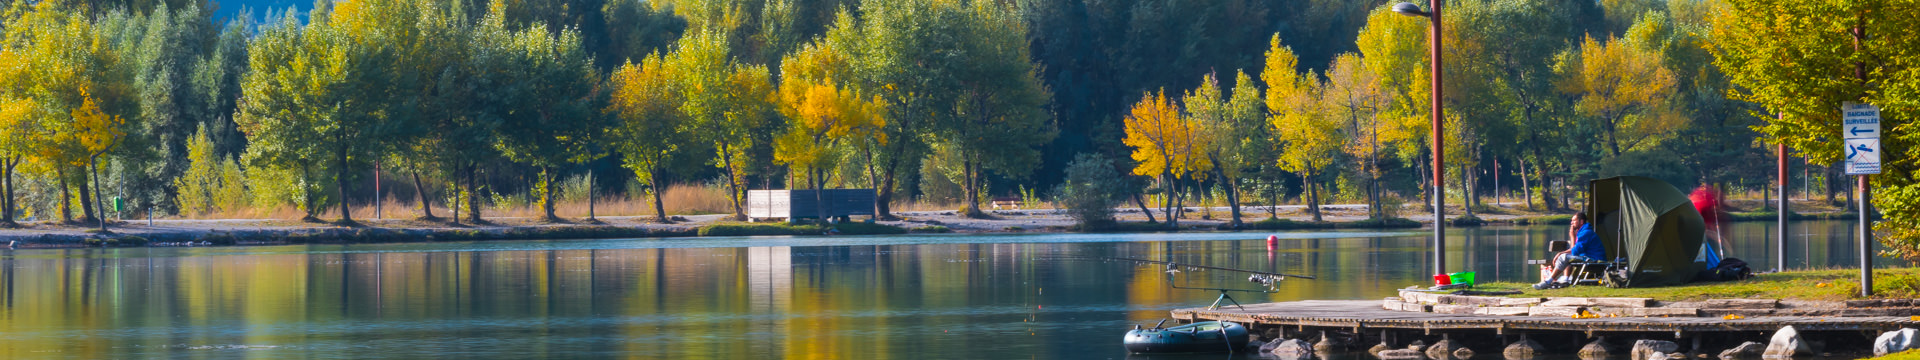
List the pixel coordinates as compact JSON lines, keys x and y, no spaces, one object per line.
{"x":1239,"y":100}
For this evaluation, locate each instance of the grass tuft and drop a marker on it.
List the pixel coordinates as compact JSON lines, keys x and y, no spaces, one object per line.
{"x":1836,"y":284}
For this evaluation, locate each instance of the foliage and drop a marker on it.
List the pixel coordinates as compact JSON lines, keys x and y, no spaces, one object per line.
{"x":211,"y":183}
{"x":1623,"y":86}
{"x":1090,"y":192}
{"x":1800,"y":60}
{"x":649,"y":130}
{"x":1308,"y":137}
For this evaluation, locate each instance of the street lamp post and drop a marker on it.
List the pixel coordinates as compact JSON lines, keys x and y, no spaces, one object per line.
{"x":1439,"y":172}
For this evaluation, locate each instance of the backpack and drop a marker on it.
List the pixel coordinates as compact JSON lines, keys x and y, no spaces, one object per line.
{"x":1730,"y":269}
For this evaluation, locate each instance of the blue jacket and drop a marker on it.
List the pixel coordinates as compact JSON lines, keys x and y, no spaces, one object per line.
{"x":1587,"y":244}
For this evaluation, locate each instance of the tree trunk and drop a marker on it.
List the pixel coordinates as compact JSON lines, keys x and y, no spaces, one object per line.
{"x":1546,"y":187}
{"x":93,"y":170}
{"x":659,"y":209}
{"x":8,"y":213}
{"x":340,"y":179}
{"x":66,"y":194}
{"x":1467,"y":185}
{"x":1141,"y":201}
{"x":473,"y":195}
{"x":1233,"y":197}
{"x":819,"y":194}
{"x":1172,"y":192}
{"x":971,"y":177}
{"x":1828,"y":170}
{"x":306,"y":190}
{"x":733,"y":184}
{"x":86,"y":199}
{"x":546,"y":194}
{"x":1313,"y":196}
{"x":426,"y":205}
{"x":1526,"y":188}
{"x":873,"y":180}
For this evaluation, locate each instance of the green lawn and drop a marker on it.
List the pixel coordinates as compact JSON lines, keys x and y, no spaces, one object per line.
{"x":1837,"y":284}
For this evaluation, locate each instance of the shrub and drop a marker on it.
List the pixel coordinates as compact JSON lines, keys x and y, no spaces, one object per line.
{"x":856,"y":228}
{"x":1090,"y":191}
{"x":933,"y":229}
{"x":1466,"y":220}
{"x":742,"y":229}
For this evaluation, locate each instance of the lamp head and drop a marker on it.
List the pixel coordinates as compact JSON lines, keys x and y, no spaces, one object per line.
{"x":1409,"y":9}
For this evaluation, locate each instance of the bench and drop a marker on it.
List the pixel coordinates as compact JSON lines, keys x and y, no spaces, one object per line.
{"x":1006,"y":202}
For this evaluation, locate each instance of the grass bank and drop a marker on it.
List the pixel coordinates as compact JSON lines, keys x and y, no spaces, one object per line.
{"x":758,"y":229}
{"x":1828,"y":285}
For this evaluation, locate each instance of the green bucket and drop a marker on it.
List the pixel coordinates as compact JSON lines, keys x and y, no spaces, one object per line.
{"x":1464,"y":277}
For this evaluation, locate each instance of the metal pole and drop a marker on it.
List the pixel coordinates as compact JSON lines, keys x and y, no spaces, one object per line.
{"x":1439,"y":171}
{"x":376,"y":192}
{"x":1866,"y":208}
{"x":1780,"y":161}
{"x":1866,"y":239}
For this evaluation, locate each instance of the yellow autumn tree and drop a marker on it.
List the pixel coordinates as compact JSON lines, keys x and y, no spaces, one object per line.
{"x":828,"y":119}
{"x":96,"y":133}
{"x":1166,"y":145}
{"x":1622,"y":86}
{"x":1307,"y":137}
{"x":1354,"y":96}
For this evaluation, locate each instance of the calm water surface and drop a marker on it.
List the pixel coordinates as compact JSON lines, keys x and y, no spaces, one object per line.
{"x":942,"y":296}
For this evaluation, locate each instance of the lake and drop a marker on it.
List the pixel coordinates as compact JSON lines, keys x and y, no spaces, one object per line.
{"x":919,"y":296}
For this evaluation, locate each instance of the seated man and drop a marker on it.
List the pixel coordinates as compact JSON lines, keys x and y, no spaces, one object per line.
{"x":1586,"y":247}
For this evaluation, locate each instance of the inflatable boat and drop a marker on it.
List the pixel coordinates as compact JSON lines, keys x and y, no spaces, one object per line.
{"x":1209,"y":336}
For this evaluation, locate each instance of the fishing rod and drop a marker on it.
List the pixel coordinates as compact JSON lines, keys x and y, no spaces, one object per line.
{"x":1266,"y":278}
{"x":1174,"y":266}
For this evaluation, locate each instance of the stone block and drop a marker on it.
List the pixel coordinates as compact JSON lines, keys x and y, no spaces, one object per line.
{"x":1623,"y":302}
{"x":1520,"y":301}
{"x":1647,"y":312}
{"x":1740,"y":304}
{"x":1453,"y":309}
{"x":1741,"y":312}
{"x":1420,"y":297}
{"x":1502,"y":310}
{"x":1416,"y":307}
{"x":1569,"y":301}
{"x":1554,"y":311}
{"x":1863,"y":303}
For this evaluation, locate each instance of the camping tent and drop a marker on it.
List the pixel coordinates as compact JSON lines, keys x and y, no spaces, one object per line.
{"x":1649,"y":223}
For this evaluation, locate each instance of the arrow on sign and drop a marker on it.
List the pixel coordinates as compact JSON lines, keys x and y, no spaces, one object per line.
{"x":1856,"y":150}
{"x":1857,"y":131}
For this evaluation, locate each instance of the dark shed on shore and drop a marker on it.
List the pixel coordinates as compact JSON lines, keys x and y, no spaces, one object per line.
{"x":801,"y":204}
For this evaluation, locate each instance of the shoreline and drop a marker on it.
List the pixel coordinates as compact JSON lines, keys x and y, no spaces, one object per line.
{"x":244,"y":232}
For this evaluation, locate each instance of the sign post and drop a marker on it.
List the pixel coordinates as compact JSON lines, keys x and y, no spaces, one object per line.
{"x":1860,"y":126}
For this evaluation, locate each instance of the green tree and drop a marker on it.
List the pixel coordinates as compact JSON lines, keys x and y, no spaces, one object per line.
{"x":1797,"y":59}
{"x":212,"y":183}
{"x":546,"y":99}
{"x":651,"y":133}
{"x":987,"y":97}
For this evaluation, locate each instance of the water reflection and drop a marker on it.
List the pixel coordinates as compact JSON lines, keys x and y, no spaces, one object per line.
{"x":855,"y":297}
